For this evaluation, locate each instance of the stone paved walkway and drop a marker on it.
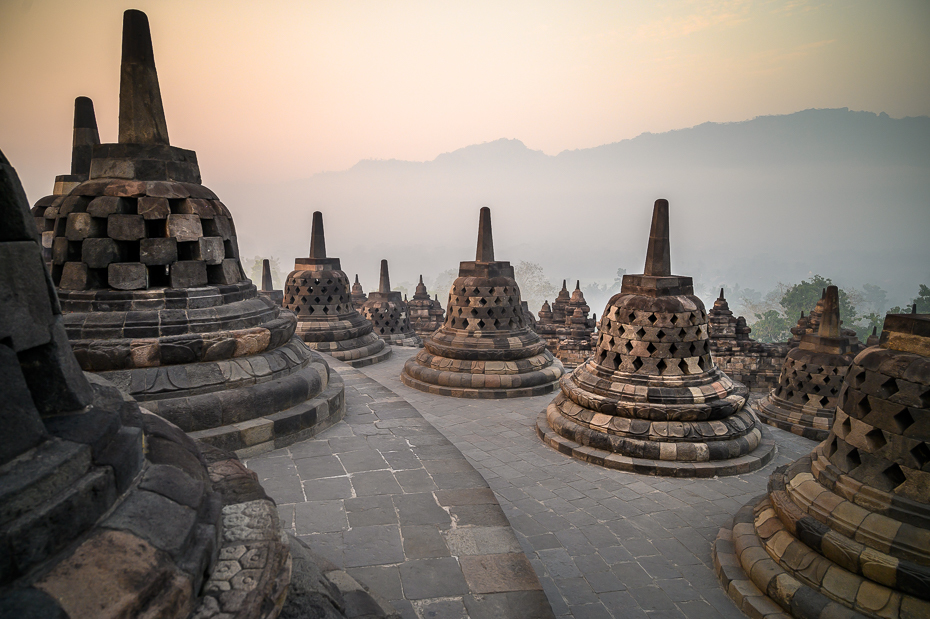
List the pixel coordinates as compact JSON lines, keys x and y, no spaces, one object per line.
{"x":605,"y":544}
{"x":389,"y":499}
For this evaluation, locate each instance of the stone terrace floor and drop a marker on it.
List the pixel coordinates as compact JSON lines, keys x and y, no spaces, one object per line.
{"x":604,"y":544}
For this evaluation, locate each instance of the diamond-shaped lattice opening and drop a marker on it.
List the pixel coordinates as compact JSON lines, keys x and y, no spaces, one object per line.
{"x":464,"y":323}
{"x":674,"y":319}
{"x":925,"y":399}
{"x":660,"y":334}
{"x":921,"y":454}
{"x":858,"y":378}
{"x":888,"y":389}
{"x":637,"y":363}
{"x":325,"y":309}
{"x":673,"y":349}
{"x":903,"y":420}
{"x":875,"y":439}
{"x":790,"y":394}
{"x":702,"y":363}
{"x":862,"y":408}
{"x":846,"y":427}
{"x":895,"y":475}
{"x":653,"y":318}
{"x":831,"y":447}
{"x":683,"y":366}
{"x":640,"y":333}
{"x":491,"y":290}
{"x":481,"y":324}
{"x":316,"y":281}
{"x":474,"y":312}
{"x":628,"y":346}
{"x":692,"y":349}
{"x":651,"y":348}
{"x":483,"y":301}
{"x":822,"y":401}
{"x":853,"y":459}
{"x":661,"y":366}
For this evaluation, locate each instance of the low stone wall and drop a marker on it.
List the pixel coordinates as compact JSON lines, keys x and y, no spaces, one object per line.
{"x":757,"y":370}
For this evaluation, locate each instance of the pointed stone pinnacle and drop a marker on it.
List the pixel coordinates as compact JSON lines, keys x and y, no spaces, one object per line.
{"x":658,"y":253}
{"x":577,"y":284}
{"x":141,"y":114}
{"x":421,"y":279}
{"x":356,"y":278}
{"x":564,"y":286}
{"x":384,"y":286}
{"x":721,"y":293}
{"x":830,"y":321}
{"x":84,"y":138}
{"x":914,"y":308}
{"x":317,"y":241}
{"x":874,"y":330}
{"x":485,"y":251}
{"x":267,"y":282}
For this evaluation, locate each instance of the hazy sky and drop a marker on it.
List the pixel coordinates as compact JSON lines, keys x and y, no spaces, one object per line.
{"x":280,"y":90}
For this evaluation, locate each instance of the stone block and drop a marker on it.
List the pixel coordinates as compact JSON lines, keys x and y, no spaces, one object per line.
{"x":225,"y":273}
{"x":196,"y":206}
{"x":154,"y":208}
{"x":25,"y":306}
{"x":158,"y":251}
{"x":61,"y":251}
{"x":99,"y":253}
{"x":79,"y":276}
{"x":188,"y":273}
{"x":128,"y":276}
{"x":82,"y":226}
{"x":184,"y":227}
{"x":104,"y":206}
{"x":54,"y":377}
{"x":48,"y":237}
{"x":16,"y":223}
{"x":22,"y":428}
{"x":126,"y":227}
{"x":209,"y":249}
{"x":73,"y":204}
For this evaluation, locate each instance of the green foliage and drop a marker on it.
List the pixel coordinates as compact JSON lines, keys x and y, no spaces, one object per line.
{"x":804,"y":296}
{"x":771,"y":326}
{"x":923,"y":300}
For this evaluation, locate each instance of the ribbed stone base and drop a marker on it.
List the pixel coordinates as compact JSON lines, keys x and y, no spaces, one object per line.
{"x":753,"y":461}
{"x":812,"y":423}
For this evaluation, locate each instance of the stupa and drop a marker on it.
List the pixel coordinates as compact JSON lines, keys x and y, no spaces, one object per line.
{"x":651,"y":400}
{"x":755,"y":364}
{"x":560,"y":309}
{"x":317,"y":291}
{"x":422,"y":311}
{"x":268,"y":289}
{"x":845,"y":531}
{"x":83,"y":139}
{"x":358,"y":295}
{"x":146,"y":262}
{"x":107,"y":510}
{"x":577,"y":345}
{"x":528,"y":315}
{"x":873,"y":339}
{"x":484,"y":349}
{"x":805,"y":399}
{"x":388,"y":313}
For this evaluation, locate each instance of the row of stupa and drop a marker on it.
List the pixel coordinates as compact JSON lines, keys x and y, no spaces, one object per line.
{"x":152,"y":297}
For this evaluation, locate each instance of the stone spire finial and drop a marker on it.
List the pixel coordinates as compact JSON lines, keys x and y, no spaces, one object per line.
{"x":485,"y":239}
{"x":577,"y":284}
{"x":914,"y":308}
{"x":384,"y":286}
{"x":356,"y":278}
{"x":830,"y":321}
{"x":658,"y":254}
{"x":141,"y":114}
{"x":721,"y":294}
{"x":84,"y":138}
{"x":317,"y":240}
{"x":564,"y":286}
{"x":267,"y":283}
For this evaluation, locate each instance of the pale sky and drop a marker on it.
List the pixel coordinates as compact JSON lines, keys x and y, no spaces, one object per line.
{"x":280,"y":90}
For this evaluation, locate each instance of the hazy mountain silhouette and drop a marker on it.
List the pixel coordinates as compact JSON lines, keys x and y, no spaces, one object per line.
{"x":840,"y":193}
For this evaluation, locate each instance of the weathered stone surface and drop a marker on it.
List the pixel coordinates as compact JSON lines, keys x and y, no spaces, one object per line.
{"x":98,"y":253}
{"x":126,"y":227}
{"x":388,"y":314}
{"x":158,"y":251}
{"x":153,"y":208}
{"x":196,"y":206}
{"x":227,"y":272}
{"x":209,"y":250}
{"x":184,"y":227}
{"x":79,"y":276}
{"x":188,"y":274}
{"x":25,"y":309}
{"x":104,"y":206}
{"x":128,"y":276}
{"x":81,"y":226}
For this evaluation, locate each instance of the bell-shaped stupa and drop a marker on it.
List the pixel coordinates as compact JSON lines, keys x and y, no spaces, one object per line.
{"x":146,"y":262}
{"x":650,"y":399}
{"x":83,"y":139}
{"x":107,"y":510}
{"x":317,"y":291}
{"x":484,"y":349}
{"x":804,"y":400}
{"x":388,"y":313}
{"x":845,"y":531}
{"x":358,"y":295}
{"x":422,"y":311}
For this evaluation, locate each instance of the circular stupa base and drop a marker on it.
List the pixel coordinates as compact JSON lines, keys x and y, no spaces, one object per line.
{"x":359,"y":362}
{"x":411,"y":340}
{"x":357,"y":352}
{"x":747,"y":463}
{"x":813,"y":424}
{"x":491,"y":380}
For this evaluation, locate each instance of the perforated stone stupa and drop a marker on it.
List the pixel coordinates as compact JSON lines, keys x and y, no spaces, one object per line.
{"x":358,"y":295}
{"x":755,"y":364}
{"x":107,"y":510}
{"x":845,"y":531}
{"x":805,"y":399}
{"x":388,"y":313}
{"x":83,"y":139}
{"x":317,"y":291}
{"x":147,"y":266}
{"x":650,"y":399}
{"x":566,"y":328}
{"x":425,"y":314}
{"x":484,"y":349}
